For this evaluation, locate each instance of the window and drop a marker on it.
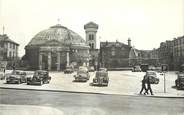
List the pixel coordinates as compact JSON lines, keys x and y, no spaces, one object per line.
{"x":91,"y":37}
{"x":113,"y":51}
{"x":92,"y":46}
{"x":10,"y":54}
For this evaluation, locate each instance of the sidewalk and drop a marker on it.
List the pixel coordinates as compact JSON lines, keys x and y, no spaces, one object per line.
{"x":121,"y":83}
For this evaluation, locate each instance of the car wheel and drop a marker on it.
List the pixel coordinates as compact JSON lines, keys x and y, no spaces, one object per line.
{"x":41,"y":82}
{"x":19,"y":81}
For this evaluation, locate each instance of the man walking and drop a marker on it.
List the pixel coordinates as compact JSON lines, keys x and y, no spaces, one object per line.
{"x":149,"y":86}
{"x":143,"y":86}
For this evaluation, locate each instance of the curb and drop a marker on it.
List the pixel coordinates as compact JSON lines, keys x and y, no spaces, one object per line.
{"x":81,"y":92}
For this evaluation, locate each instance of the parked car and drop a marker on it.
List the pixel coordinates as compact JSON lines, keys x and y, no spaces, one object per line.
{"x":144,"y":67}
{"x":82,"y":75}
{"x":136,"y":69}
{"x":69,"y":69}
{"x":179,"y":82}
{"x":40,"y":77}
{"x":16,"y":76}
{"x":101,"y":78}
{"x":152,"y":77}
{"x":91,"y":69}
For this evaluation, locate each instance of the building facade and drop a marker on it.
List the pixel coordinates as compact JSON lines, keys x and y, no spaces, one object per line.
{"x":8,"y":48}
{"x":114,"y":54}
{"x":138,"y":57}
{"x":55,"y":48}
{"x":166,"y":54}
{"x":178,"y":52}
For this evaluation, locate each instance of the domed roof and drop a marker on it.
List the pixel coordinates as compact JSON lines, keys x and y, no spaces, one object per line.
{"x":59,"y":34}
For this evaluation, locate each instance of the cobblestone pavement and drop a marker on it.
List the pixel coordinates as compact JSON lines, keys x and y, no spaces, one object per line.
{"x":120,"y":82}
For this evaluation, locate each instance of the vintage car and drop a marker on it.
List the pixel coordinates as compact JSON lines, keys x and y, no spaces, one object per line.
{"x":136,"y":69}
{"x":69,"y":69}
{"x":91,"y":69}
{"x":101,"y":78}
{"x":152,"y":77}
{"x":179,"y":82}
{"x":16,"y":77}
{"x":82,"y":75}
{"x":40,"y":77}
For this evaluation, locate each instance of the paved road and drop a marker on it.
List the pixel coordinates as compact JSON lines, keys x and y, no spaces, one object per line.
{"x":91,"y":104}
{"x":120,"y":82}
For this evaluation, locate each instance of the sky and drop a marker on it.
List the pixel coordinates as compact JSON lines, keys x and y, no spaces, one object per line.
{"x":146,"y":22}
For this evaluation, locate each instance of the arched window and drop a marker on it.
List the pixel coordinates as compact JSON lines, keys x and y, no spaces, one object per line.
{"x":91,"y":37}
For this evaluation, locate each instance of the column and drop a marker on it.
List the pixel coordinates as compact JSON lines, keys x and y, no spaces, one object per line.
{"x":58,"y":61}
{"x":67,"y":58}
{"x":40,"y":61}
{"x":49,"y":60}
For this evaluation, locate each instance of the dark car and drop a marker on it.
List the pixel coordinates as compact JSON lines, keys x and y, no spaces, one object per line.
{"x":82,"y":74}
{"x":136,"y":69}
{"x":179,"y":82}
{"x":144,"y":67}
{"x":16,"y":77}
{"x":101,"y":78}
{"x":152,"y":77}
{"x":40,"y":77}
{"x":69,"y":69}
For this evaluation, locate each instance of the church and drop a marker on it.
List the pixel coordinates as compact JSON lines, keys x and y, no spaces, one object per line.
{"x":56,"y":47}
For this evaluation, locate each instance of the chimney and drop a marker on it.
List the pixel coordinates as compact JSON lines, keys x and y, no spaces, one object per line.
{"x":129,"y":42}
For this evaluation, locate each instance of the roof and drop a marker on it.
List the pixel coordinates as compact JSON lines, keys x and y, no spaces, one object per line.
{"x":57,"y":33}
{"x":110,"y":44}
{"x":5,"y":38}
{"x":91,"y":25}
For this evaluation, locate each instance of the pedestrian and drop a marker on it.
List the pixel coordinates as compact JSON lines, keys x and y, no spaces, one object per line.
{"x":149,"y":86}
{"x":143,"y":86}
{"x":13,"y":66}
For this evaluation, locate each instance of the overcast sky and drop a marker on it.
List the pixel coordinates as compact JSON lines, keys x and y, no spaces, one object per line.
{"x":146,"y":22}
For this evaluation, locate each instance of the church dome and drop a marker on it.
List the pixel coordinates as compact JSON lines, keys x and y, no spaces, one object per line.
{"x":59,"y":34}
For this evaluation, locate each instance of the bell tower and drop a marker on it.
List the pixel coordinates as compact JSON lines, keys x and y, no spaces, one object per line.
{"x":91,"y":30}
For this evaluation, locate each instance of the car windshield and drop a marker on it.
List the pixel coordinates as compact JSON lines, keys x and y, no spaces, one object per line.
{"x":151,"y":73}
{"x":81,"y":72}
{"x":101,"y":74}
{"x":40,"y":73}
{"x":16,"y":73}
{"x":103,"y":69}
{"x":68,"y":67}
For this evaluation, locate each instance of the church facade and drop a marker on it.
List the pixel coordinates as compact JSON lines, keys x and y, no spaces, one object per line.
{"x":55,"y":48}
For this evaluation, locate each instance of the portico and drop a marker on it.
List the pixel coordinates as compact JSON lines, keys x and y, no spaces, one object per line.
{"x":49,"y":53}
